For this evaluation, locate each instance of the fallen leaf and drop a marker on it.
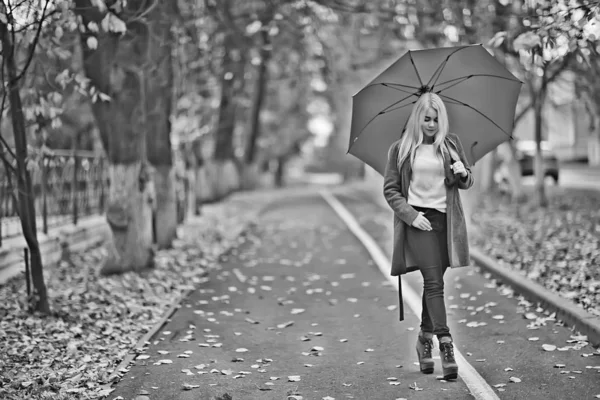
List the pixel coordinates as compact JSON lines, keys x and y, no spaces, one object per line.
{"x":187,"y":386}
{"x":514,"y":379}
{"x":294,"y":378}
{"x":285,"y":324}
{"x":549,"y":347}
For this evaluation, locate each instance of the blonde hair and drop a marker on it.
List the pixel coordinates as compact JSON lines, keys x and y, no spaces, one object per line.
{"x":413,"y":135}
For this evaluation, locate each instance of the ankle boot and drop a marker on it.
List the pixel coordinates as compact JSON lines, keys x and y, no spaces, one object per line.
{"x":424,"y":349}
{"x":449,"y":366}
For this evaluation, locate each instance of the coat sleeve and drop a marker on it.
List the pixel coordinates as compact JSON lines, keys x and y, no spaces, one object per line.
{"x":392,"y":189}
{"x":466,"y":182}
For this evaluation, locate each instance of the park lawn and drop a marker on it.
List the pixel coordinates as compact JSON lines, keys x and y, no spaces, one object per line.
{"x":557,"y":247}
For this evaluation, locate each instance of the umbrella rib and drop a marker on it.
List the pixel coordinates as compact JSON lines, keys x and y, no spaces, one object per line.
{"x":415,"y":67}
{"x":461,"y":79}
{"x":477,"y":111}
{"x":386,"y":110}
{"x":443,"y":65}
{"x":391,"y":85}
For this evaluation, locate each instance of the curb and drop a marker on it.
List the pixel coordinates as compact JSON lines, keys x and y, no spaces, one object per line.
{"x":566,"y":311}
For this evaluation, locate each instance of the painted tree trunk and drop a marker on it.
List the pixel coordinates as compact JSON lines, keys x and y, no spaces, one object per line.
{"x":166,"y":206}
{"x":594,"y":147}
{"x":514,"y":173}
{"x":129,"y":215}
{"x":119,"y":68}
{"x":487,"y":171}
{"x":25,"y":195}
{"x":221,"y":177}
{"x":250,"y":176}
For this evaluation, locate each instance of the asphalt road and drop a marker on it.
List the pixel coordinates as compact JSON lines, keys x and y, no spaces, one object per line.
{"x":299,"y":309}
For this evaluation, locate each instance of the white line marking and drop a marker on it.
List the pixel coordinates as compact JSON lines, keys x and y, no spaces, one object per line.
{"x":479,"y":388}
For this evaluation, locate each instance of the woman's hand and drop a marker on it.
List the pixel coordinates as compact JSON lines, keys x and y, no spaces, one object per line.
{"x":422,"y":223}
{"x":459,"y":169}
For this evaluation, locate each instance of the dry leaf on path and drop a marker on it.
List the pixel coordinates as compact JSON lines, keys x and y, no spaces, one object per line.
{"x":187,"y":386}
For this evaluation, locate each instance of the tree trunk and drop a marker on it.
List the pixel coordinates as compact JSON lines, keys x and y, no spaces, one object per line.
{"x":232,"y":73}
{"x":166,"y":206}
{"x":118,"y":68}
{"x":159,"y":100}
{"x":259,"y":95}
{"x":222,"y":173}
{"x":129,"y":215}
{"x":488,"y":164}
{"x":540,"y":189}
{"x":594,"y":147}
{"x":514,"y":173}
{"x":279,"y":178}
{"x":25,"y":195}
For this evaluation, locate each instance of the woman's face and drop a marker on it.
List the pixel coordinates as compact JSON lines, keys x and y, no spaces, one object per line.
{"x":429,"y":124}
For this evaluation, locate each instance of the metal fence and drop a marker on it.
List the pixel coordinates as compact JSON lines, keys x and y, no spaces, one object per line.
{"x":67,"y":186}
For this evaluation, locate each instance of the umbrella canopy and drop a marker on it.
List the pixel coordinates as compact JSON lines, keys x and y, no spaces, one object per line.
{"x":480,"y":95}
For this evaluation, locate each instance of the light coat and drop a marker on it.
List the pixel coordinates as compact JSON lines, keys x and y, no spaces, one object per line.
{"x":395,"y":191}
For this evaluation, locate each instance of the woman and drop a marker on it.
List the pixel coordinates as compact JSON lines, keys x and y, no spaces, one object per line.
{"x":425,"y":169}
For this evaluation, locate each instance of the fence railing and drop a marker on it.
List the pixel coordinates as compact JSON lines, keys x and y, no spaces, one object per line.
{"x":67,"y":186}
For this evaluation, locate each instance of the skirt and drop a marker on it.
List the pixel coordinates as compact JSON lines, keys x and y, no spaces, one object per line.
{"x":430,"y":248}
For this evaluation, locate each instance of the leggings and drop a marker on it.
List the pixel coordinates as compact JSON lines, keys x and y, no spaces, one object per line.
{"x":431,"y":251}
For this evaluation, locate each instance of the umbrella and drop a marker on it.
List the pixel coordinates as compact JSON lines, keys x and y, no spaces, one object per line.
{"x":480,"y":95}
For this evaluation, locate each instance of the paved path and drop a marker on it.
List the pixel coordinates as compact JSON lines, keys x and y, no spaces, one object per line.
{"x":235,"y":336}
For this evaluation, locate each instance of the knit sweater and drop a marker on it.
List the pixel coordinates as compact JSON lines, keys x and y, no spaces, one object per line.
{"x":427,"y":187}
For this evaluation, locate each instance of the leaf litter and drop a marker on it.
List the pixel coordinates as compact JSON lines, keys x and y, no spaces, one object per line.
{"x":96,"y":320}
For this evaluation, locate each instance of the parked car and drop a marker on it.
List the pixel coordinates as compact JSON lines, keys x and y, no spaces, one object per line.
{"x":526,"y":157}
